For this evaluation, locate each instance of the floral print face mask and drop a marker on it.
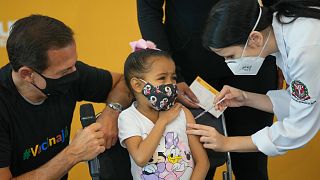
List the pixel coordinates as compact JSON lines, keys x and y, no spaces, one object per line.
{"x":161,"y":97}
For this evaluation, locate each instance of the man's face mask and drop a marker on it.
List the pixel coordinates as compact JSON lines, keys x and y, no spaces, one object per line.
{"x":247,"y":65}
{"x":161,"y":97}
{"x":58,"y":86}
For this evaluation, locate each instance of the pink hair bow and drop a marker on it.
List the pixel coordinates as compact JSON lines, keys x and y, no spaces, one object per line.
{"x":142,"y":44}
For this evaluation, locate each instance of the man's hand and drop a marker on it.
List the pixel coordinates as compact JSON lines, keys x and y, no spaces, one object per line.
{"x":109,"y":121}
{"x":121,"y":94}
{"x":186,"y":96}
{"x":87,"y":143}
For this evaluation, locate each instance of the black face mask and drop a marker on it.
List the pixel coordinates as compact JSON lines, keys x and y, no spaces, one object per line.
{"x":58,"y":86}
{"x":161,"y":97}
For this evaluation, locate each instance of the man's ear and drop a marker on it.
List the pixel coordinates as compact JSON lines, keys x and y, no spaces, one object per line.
{"x":255,"y":39}
{"x":26,"y":74}
{"x":136,"y":84}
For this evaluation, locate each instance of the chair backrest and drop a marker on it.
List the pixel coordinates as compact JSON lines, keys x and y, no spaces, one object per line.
{"x":115,"y":164}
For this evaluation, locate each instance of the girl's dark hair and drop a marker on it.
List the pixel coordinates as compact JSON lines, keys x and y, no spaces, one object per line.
{"x":231,"y":21}
{"x":30,"y":39}
{"x":139,"y":62}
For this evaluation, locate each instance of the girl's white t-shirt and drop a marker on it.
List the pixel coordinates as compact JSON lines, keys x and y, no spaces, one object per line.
{"x":172,"y":158}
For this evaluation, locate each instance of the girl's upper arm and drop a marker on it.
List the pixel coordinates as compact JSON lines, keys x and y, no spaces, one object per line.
{"x":132,"y":144}
{"x":198,"y":152}
{"x":189,"y":116}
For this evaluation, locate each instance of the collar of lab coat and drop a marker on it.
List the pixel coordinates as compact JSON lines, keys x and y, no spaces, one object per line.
{"x":282,"y":55}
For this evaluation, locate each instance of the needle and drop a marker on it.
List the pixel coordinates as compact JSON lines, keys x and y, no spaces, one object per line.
{"x":203,"y":112}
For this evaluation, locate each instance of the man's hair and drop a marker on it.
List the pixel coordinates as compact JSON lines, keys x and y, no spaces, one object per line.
{"x":30,"y":39}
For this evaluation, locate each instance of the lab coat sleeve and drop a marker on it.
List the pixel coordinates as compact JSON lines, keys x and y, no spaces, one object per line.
{"x":299,"y":122}
{"x":280,"y":100}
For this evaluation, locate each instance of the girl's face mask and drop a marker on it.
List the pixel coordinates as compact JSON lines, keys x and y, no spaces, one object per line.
{"x":247,"y":65}
{"x":161,"y":97}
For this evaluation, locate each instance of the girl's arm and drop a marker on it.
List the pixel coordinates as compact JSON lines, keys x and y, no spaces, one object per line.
{"x":198,"y":152}
{"x":141,"y":150}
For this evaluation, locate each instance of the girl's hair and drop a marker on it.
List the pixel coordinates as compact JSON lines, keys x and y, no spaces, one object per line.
{"x":139,"y":62}
{"x":231,"y":21}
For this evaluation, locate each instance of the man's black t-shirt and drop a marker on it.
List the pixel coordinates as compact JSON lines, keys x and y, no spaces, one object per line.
{"x":31,"y":135}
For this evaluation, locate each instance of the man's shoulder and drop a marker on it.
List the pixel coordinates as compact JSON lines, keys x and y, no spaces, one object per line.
{"x":5,"y":81}
{"x":93,"y":83}
{"x":81,"y":66}
{"x":5,"y":103}
{"x":5,"y":94}
{"x":92,"y":73}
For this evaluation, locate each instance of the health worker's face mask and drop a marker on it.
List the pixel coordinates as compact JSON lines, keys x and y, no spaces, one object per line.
{"x":58,"y":86}
{"x":248,"y":65}
{"x":161,"y":97}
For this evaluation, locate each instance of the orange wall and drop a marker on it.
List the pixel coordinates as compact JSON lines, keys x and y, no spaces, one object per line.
{"x":103,"y":29}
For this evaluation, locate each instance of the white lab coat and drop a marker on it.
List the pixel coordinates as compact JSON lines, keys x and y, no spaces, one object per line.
{"x":297,"y":108}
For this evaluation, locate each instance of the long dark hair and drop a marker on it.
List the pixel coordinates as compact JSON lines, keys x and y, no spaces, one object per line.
{"x":231,"y":21}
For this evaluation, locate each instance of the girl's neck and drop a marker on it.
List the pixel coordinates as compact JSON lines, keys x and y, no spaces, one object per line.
{"x":147,"y":111}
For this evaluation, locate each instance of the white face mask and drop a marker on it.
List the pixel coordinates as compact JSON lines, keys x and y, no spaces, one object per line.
{"x":247,"y":65}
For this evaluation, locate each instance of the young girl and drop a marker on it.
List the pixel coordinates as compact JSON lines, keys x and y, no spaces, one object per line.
{"x":153,"y":129}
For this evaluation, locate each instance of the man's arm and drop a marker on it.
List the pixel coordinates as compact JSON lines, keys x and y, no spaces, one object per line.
{"x":56,"y":168}
{"x":5,"y":173}
{"x":121,"y":94}
{"x":86,"y":145}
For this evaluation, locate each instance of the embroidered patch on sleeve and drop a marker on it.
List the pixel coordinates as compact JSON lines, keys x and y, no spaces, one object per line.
{"x":300,"y":93}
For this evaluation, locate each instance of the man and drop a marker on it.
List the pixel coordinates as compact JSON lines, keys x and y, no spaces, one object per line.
{"x":39,"y":89}
{"x":180,"y":33}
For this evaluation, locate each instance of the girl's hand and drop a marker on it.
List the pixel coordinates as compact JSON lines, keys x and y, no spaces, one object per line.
{"x":233,"y":98}
{"x":171,"y":114}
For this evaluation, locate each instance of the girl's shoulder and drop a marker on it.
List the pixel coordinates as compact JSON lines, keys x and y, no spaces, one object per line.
{"x":188,"y":115}
{"x":130,"y":110}
{"x":130,"y":114}
{"x":184,"y":117}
